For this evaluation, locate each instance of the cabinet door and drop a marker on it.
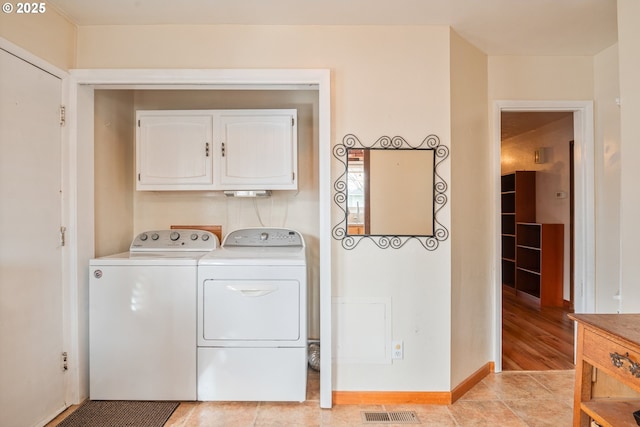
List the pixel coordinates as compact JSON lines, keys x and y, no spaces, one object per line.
{"x":257,"y":150}
{"x":173,"y":150}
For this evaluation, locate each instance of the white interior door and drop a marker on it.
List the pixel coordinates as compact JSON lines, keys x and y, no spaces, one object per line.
{"x":31,"y":316}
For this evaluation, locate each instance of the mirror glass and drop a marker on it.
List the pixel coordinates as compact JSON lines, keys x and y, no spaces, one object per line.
{"x":390,"y":192}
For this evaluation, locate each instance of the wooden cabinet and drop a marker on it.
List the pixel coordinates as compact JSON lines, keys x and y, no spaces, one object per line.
{"x":518,"y":204}
{"x":607,"y":351}
{"x":532,"y":253}
{"x":540,"y":261}
{"x":216,"y":150}
{"x":258,"y":150}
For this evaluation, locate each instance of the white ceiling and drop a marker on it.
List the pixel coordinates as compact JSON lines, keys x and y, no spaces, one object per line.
{"x":516,"y":123}
{"x":497,"y":27}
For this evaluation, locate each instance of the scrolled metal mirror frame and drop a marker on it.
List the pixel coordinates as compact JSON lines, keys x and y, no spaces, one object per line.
{"x":440,"y":232}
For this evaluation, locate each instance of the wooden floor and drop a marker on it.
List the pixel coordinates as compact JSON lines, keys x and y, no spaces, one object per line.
{"x":535,"y":338}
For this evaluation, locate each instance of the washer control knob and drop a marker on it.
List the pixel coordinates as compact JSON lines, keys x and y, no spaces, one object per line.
{"x":205,"y":237}
{"x":155,"y":236}
{"x":144,"y":237}
{"x":264,"y":236}
{"x":194,"y":236}
{"x":174,"y":236}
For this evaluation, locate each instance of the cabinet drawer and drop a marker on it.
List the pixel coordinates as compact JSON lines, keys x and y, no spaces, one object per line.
{"x":601,"y":352}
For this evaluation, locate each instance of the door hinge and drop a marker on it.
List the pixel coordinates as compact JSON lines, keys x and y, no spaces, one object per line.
{"x":223,"y":149}
{"x":293,"y":121}
{"x":138,"y":123}
{"x":65,"y":361}
{"x":63,"y":230}
{"x":206,"y":149}
{"x":62,"y":115}
{"x":293,"y":176}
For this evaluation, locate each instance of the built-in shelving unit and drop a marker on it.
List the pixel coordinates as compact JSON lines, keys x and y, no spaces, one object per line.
{"x":539,"y":261}
{"x":518,"y":201}
{"x":532,"y":253}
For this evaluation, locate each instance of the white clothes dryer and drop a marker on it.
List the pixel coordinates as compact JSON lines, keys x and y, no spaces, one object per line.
{"x":252,"y":317}
{"x":142,"y":312}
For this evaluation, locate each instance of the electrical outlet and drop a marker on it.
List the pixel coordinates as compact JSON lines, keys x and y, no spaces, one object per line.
{"x":397,"y":350}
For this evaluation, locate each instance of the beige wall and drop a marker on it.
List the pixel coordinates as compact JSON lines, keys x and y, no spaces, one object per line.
{"x":552,"y":176}
{"x":385,"y":81}
{"x":540,"y":78}
{"x":472,"y":285}
{"x":424,"y":287}
{"x":607,"y":170}
{"x":113,"y":171}
{"x":49,"y":35}
{"x":628,"y":36}
{"x":396,"y":80}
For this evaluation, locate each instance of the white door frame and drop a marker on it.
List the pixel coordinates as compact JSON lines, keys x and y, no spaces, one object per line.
{"x":80,"y":122}
{"x":584,"y":223}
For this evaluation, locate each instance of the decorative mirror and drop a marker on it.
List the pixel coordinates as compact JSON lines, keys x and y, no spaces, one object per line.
{"x":390,"y":192}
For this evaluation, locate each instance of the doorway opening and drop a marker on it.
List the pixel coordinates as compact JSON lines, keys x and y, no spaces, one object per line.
{"x":539,"y":162}
{"x":536,"y":240}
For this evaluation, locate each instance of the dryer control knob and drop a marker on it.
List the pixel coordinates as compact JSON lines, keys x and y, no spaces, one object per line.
{"x":144,"y":237}
{"x":205,"y":237}
{"x":174,"y":236}
{"x":264,"y":236}
{"x":155,"y":236}
{"x":194,"y":236}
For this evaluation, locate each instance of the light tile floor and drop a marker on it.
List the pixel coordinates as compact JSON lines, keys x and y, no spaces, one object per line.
{"x":510,"y":398}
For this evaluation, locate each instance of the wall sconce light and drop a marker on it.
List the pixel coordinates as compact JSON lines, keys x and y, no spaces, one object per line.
{"x":540,"y":156}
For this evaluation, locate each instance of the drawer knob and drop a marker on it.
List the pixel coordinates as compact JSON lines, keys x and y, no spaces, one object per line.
{"x":618,"y":361}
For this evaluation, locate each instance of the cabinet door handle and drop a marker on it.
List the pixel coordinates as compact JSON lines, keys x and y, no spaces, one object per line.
{"x":206,"y":149}
{"x":618,"y":361}
{"x":223,"y":149}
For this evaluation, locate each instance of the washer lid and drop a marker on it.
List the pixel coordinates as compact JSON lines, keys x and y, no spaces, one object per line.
{"x":173,"y":258}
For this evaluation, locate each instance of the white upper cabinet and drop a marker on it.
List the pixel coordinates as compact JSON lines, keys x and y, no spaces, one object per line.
{"x":173,"y":150}
{"x":257,"y":150}
{"x":217,"y":150}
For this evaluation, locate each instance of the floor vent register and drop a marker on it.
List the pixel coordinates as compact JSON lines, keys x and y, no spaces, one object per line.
{"x":397,"y":417}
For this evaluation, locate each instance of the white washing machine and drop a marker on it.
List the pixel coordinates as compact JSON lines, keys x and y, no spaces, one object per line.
{"x":142,"y":315}
{"x":252,"y":318}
